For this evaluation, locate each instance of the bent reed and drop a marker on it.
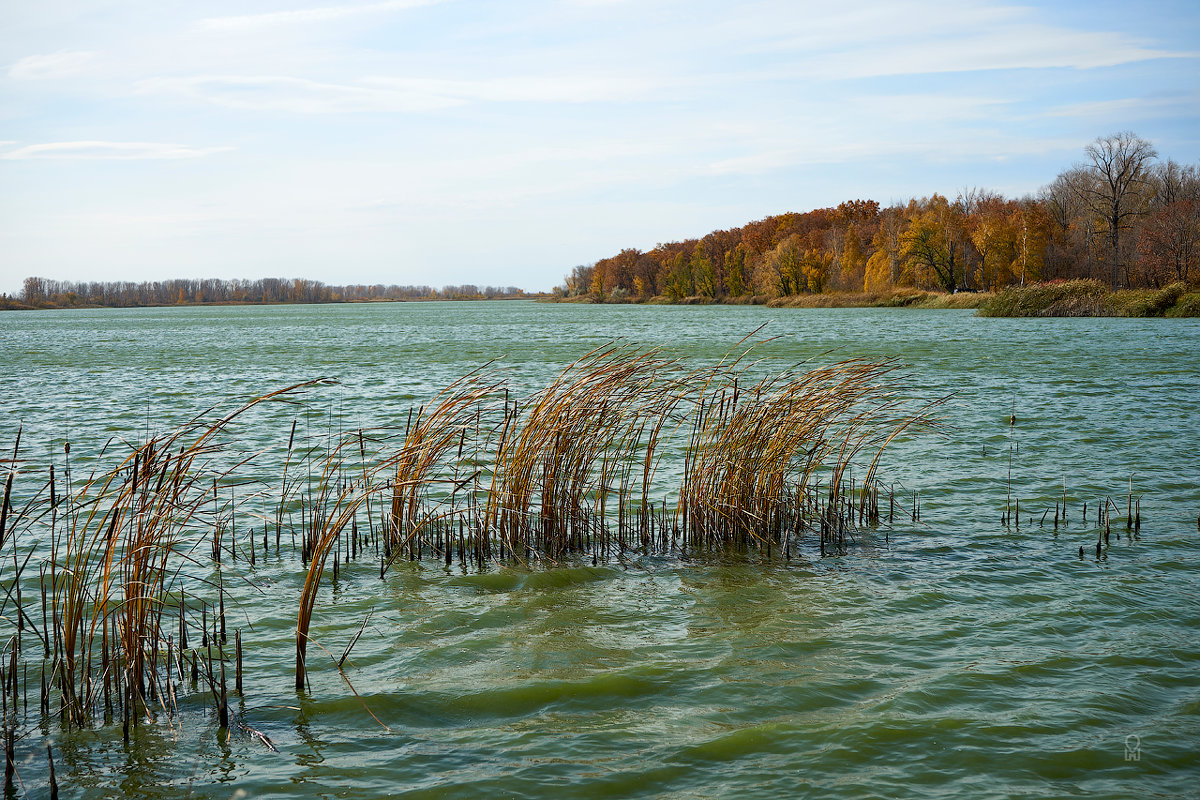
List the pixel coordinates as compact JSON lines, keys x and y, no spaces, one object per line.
{"x":115,"y":584}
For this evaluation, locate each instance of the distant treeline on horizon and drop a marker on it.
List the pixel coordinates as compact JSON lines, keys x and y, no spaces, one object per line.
{"x":46,"y":293}
{"x":1121,"y":217}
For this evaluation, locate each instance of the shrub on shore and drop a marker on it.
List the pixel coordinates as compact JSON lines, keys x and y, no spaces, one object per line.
{"x":1090,"y":298}
{"x":900,"y":298}
{"x":1188,"y":305}
{"x":897,"y":298}
{"x":1079,"y":298}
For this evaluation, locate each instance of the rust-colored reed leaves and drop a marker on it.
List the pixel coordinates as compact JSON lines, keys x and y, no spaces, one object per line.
{"x":625,"y":451}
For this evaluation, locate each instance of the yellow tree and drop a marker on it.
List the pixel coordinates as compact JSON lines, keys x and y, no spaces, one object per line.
{"x":735,"y":270}
{"x":883,"y":269}
{"x":678,"y":284}
{"x":852,"y":261}
{"x":991,"y":231}
{"x":704,"y":277}
{"x":785,"y":263}
{"x":815,"y":268}
{"x":933,"y":243}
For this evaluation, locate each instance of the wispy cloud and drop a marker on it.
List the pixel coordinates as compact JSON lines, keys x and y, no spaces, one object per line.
{"x":1129,"y":107}
{"x":570,"y":88}
{"x":297,"y":95}
{"x":306,"y":16}
{"x":122,"y":151}
{"x":52,"y":65}
{"x":1021,"y":47}
{"x":882,"y":38}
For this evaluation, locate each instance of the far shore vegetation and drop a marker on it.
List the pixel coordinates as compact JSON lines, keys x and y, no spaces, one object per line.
{"x":1117,"y":234}
{"x":1122,"y":220}
{"x":46,"y":293}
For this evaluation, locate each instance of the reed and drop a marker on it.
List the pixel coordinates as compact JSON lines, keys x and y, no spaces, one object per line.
{"x":119,"y":542}
{"x":1090,"y":298}
{"x":625,"y":450}
{"x":420,"y":465}
{"x":557,"y":466}
{"x":755,"y":453}
{"x":336,"y":502}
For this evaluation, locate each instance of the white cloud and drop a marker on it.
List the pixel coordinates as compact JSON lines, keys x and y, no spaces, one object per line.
{"x":298,"y":95}
{"x":52,"y":65}
{"x":1129,"y":107}
{"x":579,"y":88}
{"x":125,"y":151}
{"x":1014,"y":47}
{"x":303,"y":16}
{"x":891,"y":38}
{"x":937,"y":128}
{"x":591,"y":3}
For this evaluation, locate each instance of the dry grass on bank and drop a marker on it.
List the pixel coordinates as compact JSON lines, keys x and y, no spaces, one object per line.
{"x":899,"y":298}
{"x":1090,"y":298}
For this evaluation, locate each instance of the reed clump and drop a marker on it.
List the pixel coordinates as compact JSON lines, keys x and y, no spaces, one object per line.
{"x":1090,"y":298}
{"x":116,"y":586}
{"x":1148,"y":302}
{"x":583,"y":446}
{"x":1076,"y":298}
{"x":892,"y":298}
{"x":1188,"y":305}
{"x":757,"y":455}
{"x":108,"y":558}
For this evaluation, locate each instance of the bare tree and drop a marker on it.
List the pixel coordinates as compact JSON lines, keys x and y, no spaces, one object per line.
{"x":1120,"y":164}
{"x":1174,"y":182}
{"x":34,"y":290}
{"x":1070,"y":251}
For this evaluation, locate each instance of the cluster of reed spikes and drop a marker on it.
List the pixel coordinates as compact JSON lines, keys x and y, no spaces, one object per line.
{"x":625,"y":451}
{"x":1105,"y":511}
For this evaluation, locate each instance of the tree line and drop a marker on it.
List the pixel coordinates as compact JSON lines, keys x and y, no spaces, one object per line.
{"x":1121,"y":216}
{"x":43,"y":292}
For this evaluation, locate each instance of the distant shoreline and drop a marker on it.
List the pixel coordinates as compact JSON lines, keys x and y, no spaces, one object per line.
{"x":1077,"y":298}
{"x":37,"y":292}
{"x":8,"y":304}
{"x":901,"y":298}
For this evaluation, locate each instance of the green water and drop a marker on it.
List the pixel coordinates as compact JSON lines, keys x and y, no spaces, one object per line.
{"x":948,"y":657}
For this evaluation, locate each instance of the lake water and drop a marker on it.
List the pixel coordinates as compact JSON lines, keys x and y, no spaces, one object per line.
{"x":953,"y":656}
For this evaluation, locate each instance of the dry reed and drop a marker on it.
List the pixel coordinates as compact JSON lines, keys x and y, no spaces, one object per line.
{"x":624,"y":451}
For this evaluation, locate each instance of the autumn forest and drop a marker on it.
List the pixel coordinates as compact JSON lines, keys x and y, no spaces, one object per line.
{"x":1121,"y":216}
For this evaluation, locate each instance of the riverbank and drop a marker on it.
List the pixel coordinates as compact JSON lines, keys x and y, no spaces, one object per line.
{"x":912,"y":298}
{"x":1089,"y":298}
{"x":1077,"y":298}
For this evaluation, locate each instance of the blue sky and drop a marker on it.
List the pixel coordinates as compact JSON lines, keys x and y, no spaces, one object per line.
{"x":463,"y":141}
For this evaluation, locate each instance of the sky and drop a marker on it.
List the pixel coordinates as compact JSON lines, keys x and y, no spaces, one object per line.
{"x":434,"y":142}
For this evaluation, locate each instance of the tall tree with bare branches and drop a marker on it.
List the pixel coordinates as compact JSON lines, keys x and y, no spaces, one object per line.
{"x":1120,"y":164}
